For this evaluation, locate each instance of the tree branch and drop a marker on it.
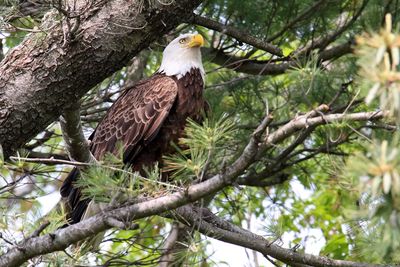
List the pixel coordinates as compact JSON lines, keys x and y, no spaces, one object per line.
{"x":237,"y":34}
{"x":167,"y":256}
{"x":269,"y":67}
{"x":307,"y":122}
{"x":210,"y":225}
{"x":245,"y":65}
{"x":75,"y":141}
{"x":43,"y":155}
{"x":62,"y":238}
{"x":322,"y":43}
{"x":304,"y":121}
{"x":300,"y":17}
{"x":173,"y":244}
{"x":259,"y":180}
{"x":1,"y":50}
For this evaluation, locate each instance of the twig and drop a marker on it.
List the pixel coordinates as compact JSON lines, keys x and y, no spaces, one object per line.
{"x":52,"y":161}
{"x":322,"y":43}
{"x":85,"y":164}
{"x":41,"y":228}
{"x":302,"y":15}
{"x":113,"y":222}
{"x":269,"y":67}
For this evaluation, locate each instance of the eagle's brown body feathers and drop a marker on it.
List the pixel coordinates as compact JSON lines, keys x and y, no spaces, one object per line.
{"x":145,"y":119}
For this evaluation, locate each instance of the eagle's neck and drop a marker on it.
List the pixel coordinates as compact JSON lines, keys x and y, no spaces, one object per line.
{"x":180,"y":64}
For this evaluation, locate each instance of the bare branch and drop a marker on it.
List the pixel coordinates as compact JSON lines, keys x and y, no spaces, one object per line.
{"x":1,"y":50}
{"x":53,"y":161}
{"x":76,"y":143}
{"x":304,"y":121}
{"x":269,"y":67}
{"x":322,"y":43}
{"x":237,"y":34}
{"x":300,"y":17}
{"x":336,"y":51}
{"x":48,"y":134}
{"x":245,"y":65}
{"x":212,"y":226}
{"x":41,"y":228}
{"x":262,"y":180}
{"x":43,"y":155}
{"x":307,"y":123}
{"x":113,"y":222}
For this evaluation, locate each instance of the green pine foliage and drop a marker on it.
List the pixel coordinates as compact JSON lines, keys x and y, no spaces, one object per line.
{"x":204,"y":149}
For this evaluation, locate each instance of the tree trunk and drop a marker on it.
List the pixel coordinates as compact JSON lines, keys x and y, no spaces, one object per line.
{"x":52,"y":69}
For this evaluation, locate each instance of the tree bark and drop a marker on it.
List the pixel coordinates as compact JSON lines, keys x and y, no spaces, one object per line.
{"x":50,"y":70}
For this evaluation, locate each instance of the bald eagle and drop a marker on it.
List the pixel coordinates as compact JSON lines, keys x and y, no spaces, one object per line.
{"x":147,"y":117}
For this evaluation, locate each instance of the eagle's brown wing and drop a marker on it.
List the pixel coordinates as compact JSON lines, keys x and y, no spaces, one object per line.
{"x":135,"y":118}
{"x":133,"y":121}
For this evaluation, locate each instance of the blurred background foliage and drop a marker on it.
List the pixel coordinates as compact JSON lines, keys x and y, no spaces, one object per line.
{"x":335,"y":193}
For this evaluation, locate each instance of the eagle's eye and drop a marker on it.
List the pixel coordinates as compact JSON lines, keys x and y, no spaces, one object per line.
{"x":182,"y":41}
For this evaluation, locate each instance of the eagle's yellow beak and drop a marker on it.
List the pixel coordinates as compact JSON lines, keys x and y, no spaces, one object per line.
{"x":196,"y":41}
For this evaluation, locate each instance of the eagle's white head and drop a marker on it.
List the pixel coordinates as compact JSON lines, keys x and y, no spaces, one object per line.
{"x":182,"y":54}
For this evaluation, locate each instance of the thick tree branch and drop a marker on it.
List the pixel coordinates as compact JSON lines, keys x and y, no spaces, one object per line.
{"x":262,"y":67}
{"x":62,"y":238}
{"x":305,"y":121}
{"x":45,"y":74}
{"x":336,"y":51}
{"x":210,"y":225}
{"x":237,"y":34}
